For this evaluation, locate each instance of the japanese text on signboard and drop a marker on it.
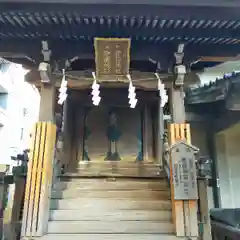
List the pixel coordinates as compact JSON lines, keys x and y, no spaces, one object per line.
{"x":184,"y":173}
{"x":112,"y":57}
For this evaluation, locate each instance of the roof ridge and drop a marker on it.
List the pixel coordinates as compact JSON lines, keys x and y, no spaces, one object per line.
{"x":216,"y":82}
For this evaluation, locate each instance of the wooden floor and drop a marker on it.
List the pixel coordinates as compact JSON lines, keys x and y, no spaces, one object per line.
{"x":111,"y":206}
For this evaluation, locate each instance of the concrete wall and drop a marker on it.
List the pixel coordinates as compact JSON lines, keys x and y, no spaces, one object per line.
{"x":228,"y":161}
{"x":199,"y":136}
{"x":20,"y":97}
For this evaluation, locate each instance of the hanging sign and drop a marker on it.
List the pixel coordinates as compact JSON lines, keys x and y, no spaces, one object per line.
{"x":112,"y":57}
{"x":184,"y":172}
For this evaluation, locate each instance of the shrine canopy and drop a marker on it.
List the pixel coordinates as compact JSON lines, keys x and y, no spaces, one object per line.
{"x":210,"y":31}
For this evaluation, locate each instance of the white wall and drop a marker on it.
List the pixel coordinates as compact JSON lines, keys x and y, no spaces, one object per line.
{"x":228,"y":164}
{"x":20,"y":95}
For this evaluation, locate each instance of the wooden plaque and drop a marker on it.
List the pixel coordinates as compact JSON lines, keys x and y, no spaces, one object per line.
{"x":112,"y":56}
{"x":184,"y":172}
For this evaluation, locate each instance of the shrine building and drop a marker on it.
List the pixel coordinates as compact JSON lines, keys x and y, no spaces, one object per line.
{"x":121,"y":122}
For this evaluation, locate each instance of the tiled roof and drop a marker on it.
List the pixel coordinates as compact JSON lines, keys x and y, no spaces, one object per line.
{"x":57,"y":25}
{"x":214,"y":91}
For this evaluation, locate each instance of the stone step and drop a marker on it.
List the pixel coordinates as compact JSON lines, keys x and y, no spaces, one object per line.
{"x":110,"y":237}
{"x":134,"y":194}
{"x":108,"y":215}
{"x":117,"y":169}
{"x":94,"y":204}
{"x":121,"y":173}
{"x":120,"y":164}
{"x":110,"y":227}
{"x":112,"y":184}
{"x":114,"y":208}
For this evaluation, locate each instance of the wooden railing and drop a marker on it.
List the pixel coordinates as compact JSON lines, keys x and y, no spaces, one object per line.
{"x":39,"y":180}
{"x":184,"y":213}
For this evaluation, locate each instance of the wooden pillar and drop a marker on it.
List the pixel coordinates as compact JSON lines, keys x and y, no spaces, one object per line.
{"x":39,"y":180}
{"x":177,"y":105}
{"x":73,"y":136}
{"x":9,"y":228}
{"x":40,"y":168}
{"x":13,"y":208}
{"x":80,"y":127}
{"x":145,"y":134}
{"x":160,"y":134}
{"x":67,"y":134}
{"x":47,"y":103}
{"x":184,"y":211}
{"x":204,"y":209}
{"x":20,"y":183}
{"x":64,"y":132}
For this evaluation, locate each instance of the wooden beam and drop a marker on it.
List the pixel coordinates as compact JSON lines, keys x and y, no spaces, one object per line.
{"x":172,"y":10}
{"x":219,"y":59}
{"x":97,"y":29}
{"x":155,"y":2}
{"x":141,"y":80}
{"x":143,"y":50}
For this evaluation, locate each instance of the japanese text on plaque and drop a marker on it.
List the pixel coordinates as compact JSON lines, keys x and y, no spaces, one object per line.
{"x":112,"y":57}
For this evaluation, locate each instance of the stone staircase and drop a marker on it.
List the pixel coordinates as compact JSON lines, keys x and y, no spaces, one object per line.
{"x":110,"y":208}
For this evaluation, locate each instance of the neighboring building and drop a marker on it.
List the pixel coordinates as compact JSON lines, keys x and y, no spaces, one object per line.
{"x":212,"y":73}
{"x":18,"y":110}
{"x":221,"y":103}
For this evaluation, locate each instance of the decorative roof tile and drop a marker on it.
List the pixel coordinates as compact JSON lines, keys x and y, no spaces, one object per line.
{"x":214,"y":91}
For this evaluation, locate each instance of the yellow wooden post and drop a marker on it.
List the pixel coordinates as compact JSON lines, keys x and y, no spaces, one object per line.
{"x":177,"y":206}
{"x":39,"y":179}
{"x":184,"y":212}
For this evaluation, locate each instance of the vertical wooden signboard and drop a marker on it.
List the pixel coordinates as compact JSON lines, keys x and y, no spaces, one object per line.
{"x":184,"y":196}
{"x":184,"y":172}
